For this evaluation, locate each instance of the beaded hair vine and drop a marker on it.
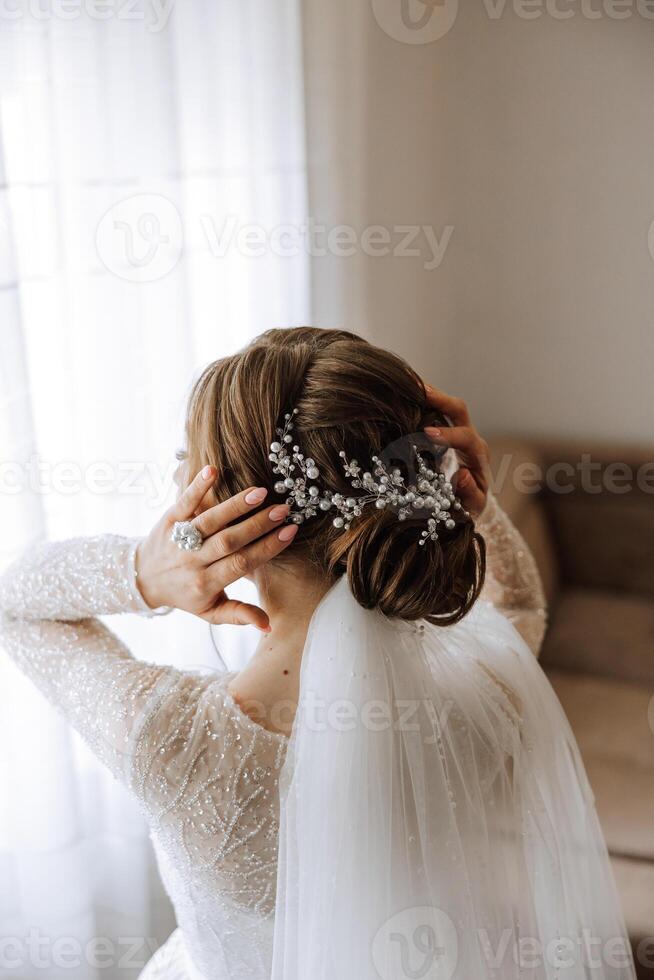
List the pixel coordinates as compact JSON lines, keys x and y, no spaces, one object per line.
{"x":431,"y":498}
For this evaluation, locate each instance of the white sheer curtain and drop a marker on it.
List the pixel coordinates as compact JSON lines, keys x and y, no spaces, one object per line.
{"x":135,"y":145}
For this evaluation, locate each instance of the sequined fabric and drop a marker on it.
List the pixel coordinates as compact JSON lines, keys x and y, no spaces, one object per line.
{"x":205,"y":775}
{"x":513,"y":584}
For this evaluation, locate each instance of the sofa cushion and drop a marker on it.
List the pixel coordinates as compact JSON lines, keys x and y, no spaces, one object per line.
{"x":605,"y":541}
{"x":603,"y":633}
{"x":611,"y":721}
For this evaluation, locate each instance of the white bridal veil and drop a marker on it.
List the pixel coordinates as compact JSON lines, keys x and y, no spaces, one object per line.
{"x":436,"y":818}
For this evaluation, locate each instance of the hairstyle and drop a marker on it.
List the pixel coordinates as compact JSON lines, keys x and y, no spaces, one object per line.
{"x":350,"y":395}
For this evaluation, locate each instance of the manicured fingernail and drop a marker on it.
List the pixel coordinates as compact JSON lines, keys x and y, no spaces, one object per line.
{"x":256,"y":496}
{"x":431,"y":431}
{"x":278,"y":513}
{"x":207,"y":472}
{"x":288,"y":533}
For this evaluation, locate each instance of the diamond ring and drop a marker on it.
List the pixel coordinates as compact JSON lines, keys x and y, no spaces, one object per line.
{"x":186,"y":536}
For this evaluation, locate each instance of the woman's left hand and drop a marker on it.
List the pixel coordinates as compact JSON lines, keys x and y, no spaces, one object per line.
{"x":473,"y":478}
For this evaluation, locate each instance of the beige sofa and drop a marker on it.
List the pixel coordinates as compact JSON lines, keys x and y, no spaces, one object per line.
{"x":594,"y":544}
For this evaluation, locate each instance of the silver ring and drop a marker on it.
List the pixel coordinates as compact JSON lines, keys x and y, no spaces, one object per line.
{"x":186,"y":536}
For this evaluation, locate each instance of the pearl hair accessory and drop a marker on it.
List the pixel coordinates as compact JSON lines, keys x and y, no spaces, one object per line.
{"x":432,"y":497}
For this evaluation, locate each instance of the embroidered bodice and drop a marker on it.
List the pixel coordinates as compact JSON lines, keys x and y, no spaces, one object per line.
{"x":205,"y":775}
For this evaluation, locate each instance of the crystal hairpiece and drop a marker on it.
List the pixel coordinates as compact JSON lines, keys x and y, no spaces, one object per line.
{"x":432,"y":497}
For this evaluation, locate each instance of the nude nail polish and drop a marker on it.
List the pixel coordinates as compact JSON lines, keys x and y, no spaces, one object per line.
{"x":256,"y":496}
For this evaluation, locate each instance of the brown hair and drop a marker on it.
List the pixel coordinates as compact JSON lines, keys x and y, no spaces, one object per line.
{"x":350,"y":395}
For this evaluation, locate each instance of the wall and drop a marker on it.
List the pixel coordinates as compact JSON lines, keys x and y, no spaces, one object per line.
{"x":534,"y":140}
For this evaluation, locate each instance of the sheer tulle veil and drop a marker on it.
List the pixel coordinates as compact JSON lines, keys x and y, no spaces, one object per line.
{"x":436,"y":819}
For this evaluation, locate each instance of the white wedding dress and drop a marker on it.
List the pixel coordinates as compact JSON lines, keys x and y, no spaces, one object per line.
{"x":426,"y":830}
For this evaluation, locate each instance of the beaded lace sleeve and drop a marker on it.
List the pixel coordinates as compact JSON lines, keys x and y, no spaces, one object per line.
{"x":513,"y":584}
{"x":48,"y":600}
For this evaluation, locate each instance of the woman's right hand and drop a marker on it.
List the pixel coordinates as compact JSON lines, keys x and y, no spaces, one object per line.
{"x":196,"y":580}
{"x":472,"y":479}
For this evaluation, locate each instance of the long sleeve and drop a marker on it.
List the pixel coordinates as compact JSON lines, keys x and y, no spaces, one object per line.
{"x":73,"y":579}
{"x":513,"y":584}
{"x":47,"y":601}
{"x":204,"y":774}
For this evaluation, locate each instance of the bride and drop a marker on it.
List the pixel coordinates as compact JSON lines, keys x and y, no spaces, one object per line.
{"x":390,"y":787}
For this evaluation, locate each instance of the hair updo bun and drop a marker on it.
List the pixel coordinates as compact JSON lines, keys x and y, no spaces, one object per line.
{"x":388,"y":569}
{"x":350,"y":396}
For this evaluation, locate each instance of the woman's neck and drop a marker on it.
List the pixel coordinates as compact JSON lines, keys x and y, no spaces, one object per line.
{"x":268,"y":687}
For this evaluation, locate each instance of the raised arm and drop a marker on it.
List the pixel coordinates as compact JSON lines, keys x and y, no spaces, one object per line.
{"x":71,"y":580}
{"x":513,"y":583}
{"x":128,"y":710}
{"x":47,"y":601}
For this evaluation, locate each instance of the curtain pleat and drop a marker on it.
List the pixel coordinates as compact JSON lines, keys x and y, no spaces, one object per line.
{"x":201,"y":121}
